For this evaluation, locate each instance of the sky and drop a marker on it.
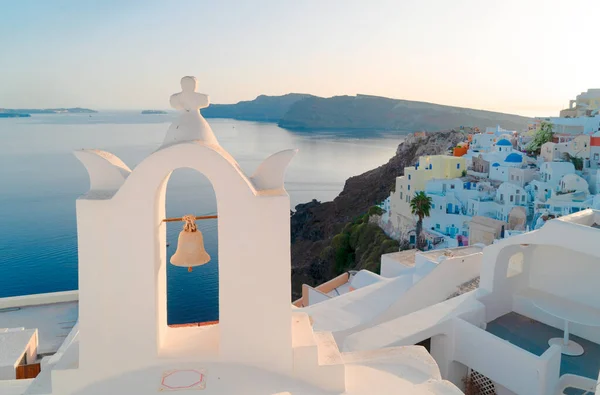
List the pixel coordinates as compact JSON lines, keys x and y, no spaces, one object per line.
{"x":526,"y":57}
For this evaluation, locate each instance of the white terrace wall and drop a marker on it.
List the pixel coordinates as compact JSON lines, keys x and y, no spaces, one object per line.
{"x":392,"y":268}
{"x":558,"y":271}
{"x":495,"y":270}
{"x":512,"y":367}
{"x":14,"y":387}
{"x":39,"y":299}
{"x":436,"y":286}
{"x":316,"y":296}
{"x":566,"y":273}
{"x":7,"y":373}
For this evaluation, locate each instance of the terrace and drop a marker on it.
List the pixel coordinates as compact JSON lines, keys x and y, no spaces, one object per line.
{"x":533,"y":336}
{"x":537,"y":285}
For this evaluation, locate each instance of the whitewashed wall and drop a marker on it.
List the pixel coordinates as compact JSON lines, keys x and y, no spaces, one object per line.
{"x":511,"y":366}
{"x":316,"y":296}
{"x":436,"y":286}
{"x":559,"y":271}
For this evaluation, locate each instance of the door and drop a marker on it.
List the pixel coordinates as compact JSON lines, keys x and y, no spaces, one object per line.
{"x":28,"y":371}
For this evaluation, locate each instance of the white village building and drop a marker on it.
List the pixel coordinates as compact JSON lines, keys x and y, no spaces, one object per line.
{"x":579,"y":146}
{"x":560,"y":191}
{"x":449,"y":217}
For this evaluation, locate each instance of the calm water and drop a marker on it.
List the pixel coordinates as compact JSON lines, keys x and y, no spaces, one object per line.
{"x":40,"y":180}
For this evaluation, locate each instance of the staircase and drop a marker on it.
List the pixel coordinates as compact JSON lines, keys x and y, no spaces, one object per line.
{"x":317,"y":359}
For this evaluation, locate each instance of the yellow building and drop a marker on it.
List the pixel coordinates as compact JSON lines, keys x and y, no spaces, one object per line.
{"x":414,"y":180}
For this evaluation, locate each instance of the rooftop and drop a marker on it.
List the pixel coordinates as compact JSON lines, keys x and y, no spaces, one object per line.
{"x":588,"y":217}
{"x":406,"y":258}
{"x":514,"y":158}
{"x":434,"y":255}
{"x":53,"y":321}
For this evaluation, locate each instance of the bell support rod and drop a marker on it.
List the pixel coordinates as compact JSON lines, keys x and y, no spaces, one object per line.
{"x":196,"y":218}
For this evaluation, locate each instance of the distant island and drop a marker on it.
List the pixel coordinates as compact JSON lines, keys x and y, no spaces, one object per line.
{"x":296,"y":111}
{"x":263,"y":108}
{"x":25,"y":111}
{"x":151,"y":112}
{"x":14,"y":115}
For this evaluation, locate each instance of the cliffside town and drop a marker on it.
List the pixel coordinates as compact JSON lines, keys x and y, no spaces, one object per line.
{"x":314,"y":224}
{"x":482,"y":185}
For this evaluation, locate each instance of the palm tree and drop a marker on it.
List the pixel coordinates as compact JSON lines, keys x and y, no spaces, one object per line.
{"x":420,"y":206}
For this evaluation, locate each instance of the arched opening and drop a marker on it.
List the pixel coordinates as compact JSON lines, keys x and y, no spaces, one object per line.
{"x":192,"y":297}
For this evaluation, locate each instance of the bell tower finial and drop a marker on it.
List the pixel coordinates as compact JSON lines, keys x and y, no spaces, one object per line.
{"x":188,"y":99}
{"x":191,"y":125}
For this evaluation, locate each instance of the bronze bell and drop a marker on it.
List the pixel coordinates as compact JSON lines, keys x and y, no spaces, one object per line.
{"x":190,"y":246}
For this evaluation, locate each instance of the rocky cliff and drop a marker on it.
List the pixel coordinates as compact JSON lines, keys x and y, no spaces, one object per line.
{"x":364,"y":112}
{"x":314,"y":224}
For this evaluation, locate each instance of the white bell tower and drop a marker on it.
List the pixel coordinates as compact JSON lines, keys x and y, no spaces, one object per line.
{"x":122,"y":257}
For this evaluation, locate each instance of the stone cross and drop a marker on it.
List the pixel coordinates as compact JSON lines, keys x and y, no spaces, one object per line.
{"x":188,"y":99}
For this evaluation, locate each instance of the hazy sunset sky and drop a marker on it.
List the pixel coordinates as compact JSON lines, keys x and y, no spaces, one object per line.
{"x":523,"y":56}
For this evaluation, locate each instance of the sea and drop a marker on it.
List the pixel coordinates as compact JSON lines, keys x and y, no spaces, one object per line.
{"x":40,"y":179}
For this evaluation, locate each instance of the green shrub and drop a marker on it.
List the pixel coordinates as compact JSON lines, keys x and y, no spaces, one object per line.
{"x":341,"y":246}
{"x":376,"y":210}
{"x":359,"y":246}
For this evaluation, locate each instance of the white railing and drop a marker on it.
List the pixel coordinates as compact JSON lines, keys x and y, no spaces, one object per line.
{"x":39,"y":299}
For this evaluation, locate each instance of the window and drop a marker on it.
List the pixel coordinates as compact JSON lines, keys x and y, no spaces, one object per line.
{"x":409,"y":187}
{"x":501,"y":197}
{"x":451,"y":186}
{"x":437,"y":226}
{"x":511,"y":198}
{"x":400,"y":195}
{"x":515,"y":265}
{"x":512,"y":176}
{"x":430,"y":166}
{"x":409,"y":176}
{"x":458,"y":165}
